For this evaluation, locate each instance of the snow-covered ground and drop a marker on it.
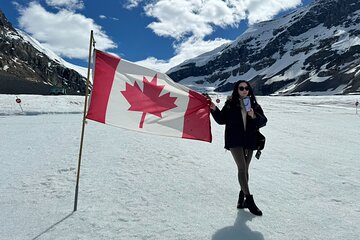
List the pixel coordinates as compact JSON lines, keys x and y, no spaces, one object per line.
{"x":140,"y":186}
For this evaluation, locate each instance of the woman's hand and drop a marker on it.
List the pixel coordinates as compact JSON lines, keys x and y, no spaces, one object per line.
{"x":212,"y":106}
{"x":251,"y":113}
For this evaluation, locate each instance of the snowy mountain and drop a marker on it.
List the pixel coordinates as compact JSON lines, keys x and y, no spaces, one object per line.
{"x":312,"y":51}
{"x":26,"y":67}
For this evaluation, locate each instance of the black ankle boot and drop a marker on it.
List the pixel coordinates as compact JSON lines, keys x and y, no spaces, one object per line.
{"x":240,"y":203}
{"x":250,"y":204}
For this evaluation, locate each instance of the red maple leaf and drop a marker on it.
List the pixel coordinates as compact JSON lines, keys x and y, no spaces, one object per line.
{"x":148,"y":100}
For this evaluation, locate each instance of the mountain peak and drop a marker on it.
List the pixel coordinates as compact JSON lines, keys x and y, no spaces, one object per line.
{"x":4,"y":23}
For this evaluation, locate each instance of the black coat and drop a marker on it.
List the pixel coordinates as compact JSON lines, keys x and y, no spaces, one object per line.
{"x":235,"y":135}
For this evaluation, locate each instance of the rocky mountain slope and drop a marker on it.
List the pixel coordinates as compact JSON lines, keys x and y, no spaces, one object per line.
{"x":312,"y":51}
{"x":27,"y":68}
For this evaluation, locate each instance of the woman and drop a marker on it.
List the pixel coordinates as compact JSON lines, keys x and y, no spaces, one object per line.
{"x":242,"y":120}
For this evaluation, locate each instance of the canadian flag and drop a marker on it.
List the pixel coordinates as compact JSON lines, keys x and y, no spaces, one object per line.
{"x":137,"y":98}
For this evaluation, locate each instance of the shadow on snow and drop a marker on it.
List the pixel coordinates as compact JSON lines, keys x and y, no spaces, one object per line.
{"x":52,"y":226}
{"x":239,"y":230}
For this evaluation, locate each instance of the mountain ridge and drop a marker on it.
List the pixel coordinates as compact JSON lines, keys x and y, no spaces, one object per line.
{"x":28,"y":68}
{"x":311,"y":51}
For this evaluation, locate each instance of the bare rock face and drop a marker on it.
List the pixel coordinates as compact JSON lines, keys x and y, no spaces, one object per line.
{"x":314,"y":50}
{"x":26,"y":70}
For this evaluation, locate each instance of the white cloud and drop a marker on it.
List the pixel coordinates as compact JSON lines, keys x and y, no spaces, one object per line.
{"x":65,"y":32}
{"x":179,"y":18}
{"x":185,"y":50}
{"x":132,"y":3}
{"x":111,"y":18}
{"x":176,"y":18}
{"x":186,"y":20}
{"x":69,"y":4}
{"x":260,"y":10}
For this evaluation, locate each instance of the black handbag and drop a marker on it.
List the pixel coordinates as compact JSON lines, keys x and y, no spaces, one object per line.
{"x":260,"y":143}
{"x":261,"y":121}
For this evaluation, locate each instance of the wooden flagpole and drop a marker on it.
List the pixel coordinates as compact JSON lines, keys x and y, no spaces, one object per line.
{"x":83,"y":124}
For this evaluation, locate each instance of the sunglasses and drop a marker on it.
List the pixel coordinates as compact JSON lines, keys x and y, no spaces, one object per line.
{"x":241,"y":88}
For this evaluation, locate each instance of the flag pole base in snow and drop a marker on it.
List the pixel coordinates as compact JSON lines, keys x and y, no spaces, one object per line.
{"x":76,"y":197}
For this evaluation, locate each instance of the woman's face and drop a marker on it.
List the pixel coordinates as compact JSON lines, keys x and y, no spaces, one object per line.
{"x":243,"y":89}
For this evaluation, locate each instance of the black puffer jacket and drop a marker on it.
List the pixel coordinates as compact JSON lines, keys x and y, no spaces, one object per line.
{"x":235,"y":135}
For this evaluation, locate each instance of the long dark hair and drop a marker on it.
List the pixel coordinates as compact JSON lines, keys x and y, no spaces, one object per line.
{"x":235,"y":94}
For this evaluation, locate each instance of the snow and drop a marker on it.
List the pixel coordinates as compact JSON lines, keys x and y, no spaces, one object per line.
{"x":6,"y":67}
{"x":140,"y":186}
{"x":11,"y":35}
{"x":357,"y":73}
{"x":345,"y":43}
{"x":316,"y":78}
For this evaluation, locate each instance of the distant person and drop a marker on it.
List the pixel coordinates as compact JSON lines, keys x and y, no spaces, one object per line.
{"x":242,"y":116}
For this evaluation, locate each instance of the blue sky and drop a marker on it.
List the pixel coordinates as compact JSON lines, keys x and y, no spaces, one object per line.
{"x":158,"y":34}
